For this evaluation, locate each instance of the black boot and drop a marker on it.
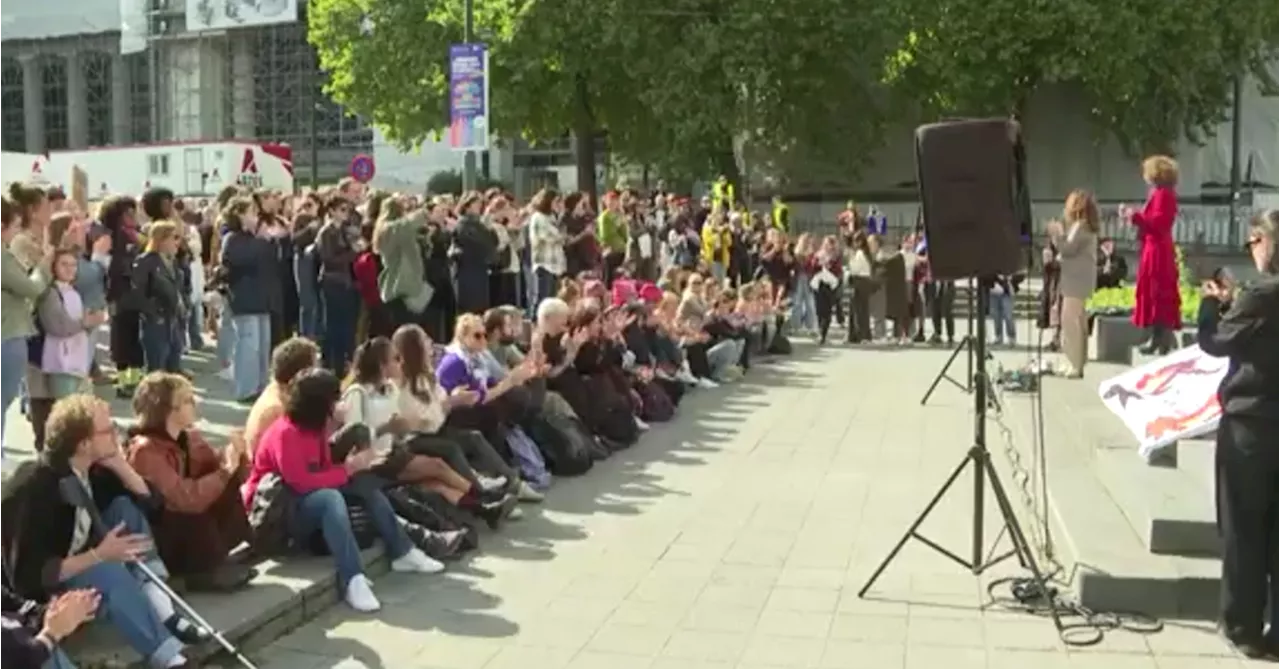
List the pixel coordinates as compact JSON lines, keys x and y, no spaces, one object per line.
{"x":1153,"y":342}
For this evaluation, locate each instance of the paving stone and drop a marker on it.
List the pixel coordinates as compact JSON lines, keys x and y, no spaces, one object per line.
{"x":738,"y":536}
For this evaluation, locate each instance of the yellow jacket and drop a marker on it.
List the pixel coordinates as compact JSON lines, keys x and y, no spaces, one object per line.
{"x":716,"y":243}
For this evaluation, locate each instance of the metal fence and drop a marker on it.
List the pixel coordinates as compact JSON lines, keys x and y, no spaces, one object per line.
{"x":1207,"y":227}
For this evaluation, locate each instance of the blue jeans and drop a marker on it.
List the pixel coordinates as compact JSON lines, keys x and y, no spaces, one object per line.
{"x":310,"y":312}
{"x":341,"y":309}
{"x":123,"y":602}
{"x":724,"y":355}
{"x":195,"y":324}
{"x":13,"y":357}
{"x":58,"y":660}
{"x":326,"y":510}
{"x":1001,"y":311}
{"x":251,"y":355}
{"x":226,"y":337}
{"x":804,"y":314}
{"x":161,"y":343}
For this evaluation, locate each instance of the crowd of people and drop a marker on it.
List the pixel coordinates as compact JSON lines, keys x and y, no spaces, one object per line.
{"x":415,"y":368}
{"x":401,"y":384}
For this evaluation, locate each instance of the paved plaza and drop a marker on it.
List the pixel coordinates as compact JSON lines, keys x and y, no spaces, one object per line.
{"x":737,"y":537}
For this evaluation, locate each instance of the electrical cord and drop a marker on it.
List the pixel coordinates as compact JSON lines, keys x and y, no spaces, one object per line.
{"x":1078,"y":625}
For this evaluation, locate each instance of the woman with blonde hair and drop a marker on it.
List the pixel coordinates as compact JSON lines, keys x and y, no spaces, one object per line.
{"x":1158,"y":305}
{"x":1076,"y":239}
{"x":804,"y":313}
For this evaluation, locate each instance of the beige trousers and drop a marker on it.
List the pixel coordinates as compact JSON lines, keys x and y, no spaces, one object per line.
{"x":1075,"y":333}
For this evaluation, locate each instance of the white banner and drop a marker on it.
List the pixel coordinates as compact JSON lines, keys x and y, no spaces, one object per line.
{"x":1175,"y":397}
{"x":205,"y":15}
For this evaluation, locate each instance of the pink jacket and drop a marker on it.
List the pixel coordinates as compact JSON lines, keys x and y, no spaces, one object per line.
{"x":300,"y":457}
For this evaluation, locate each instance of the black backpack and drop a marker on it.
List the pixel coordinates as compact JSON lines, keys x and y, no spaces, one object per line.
{"x":566,"y":444}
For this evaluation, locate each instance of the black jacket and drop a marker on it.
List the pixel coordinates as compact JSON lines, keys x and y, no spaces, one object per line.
{"x":158,"y":287}
{"x":477,"y":244}
{"x":37,"y":523}
{"x":1245,"y":333}
{"x":250,"y":270}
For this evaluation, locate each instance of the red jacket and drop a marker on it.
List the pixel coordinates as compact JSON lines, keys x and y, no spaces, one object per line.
{"x":365,"y":268}
{"x":300,"y":457}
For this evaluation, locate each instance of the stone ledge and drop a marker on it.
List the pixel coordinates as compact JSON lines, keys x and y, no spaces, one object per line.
{"x":283,"y":597}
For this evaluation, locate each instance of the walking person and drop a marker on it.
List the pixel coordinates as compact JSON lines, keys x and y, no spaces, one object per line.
{"x":826,"y":284}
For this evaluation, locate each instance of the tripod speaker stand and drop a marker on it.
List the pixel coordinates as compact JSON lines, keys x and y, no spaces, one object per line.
{"x":979,"y":460}
{"x":965,"y":346}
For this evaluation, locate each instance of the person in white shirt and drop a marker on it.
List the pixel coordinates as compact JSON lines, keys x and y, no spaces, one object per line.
{"x":425,"y":406}
{"x":372,"y":398}
{"x":546,"y":245}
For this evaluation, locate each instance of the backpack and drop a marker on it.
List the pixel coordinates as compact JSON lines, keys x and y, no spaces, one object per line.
{"x":656,"y":405}
{"x":528,"y":459}
{"x":566,"y":444}
{"x":35,"y":343}
{"x":270,"y":517}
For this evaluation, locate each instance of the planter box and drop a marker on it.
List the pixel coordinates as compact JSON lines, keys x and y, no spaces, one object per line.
{"x":1115,"y":337}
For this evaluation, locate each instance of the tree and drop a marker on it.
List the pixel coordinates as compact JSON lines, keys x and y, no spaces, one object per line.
{"x":1150,"y":70}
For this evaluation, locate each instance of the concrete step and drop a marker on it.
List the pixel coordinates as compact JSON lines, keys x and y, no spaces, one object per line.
{"x":284,"y":596}
{"x":1108,"y":509}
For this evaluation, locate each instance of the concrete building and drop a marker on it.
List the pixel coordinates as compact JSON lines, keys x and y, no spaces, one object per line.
{"x":78,"y":74}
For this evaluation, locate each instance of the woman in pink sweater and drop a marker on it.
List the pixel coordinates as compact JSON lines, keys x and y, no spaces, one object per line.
{"x":295,"y":447}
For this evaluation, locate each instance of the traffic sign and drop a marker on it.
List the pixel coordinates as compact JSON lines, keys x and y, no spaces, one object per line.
{"x":362,"y":169}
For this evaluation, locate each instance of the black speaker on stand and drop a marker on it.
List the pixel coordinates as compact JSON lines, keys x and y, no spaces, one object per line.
{"x":977,"y":212}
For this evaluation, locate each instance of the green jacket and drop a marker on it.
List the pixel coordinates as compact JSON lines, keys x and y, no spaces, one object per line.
{"x":400,"y":247}
{"x":19,"y":291}
{"x":611,"y":231}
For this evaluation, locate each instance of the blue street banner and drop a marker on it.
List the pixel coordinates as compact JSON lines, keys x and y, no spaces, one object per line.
{"x":469,"y":97}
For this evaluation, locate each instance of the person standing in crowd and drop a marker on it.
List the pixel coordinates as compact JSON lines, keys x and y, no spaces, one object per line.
{"x":548,"y":247}
{"x":1158,"y":306}
{"x":578,"y":226}
{"x":860,"y":270}
{"x":160,"y":296}
{"x":281,"y":291}
{"x":400,"y":241}
{"x":119,"y":217}
{"x":940,"y":296}
{"x":1049,"y":313}
{"x":23,"y":284}
{"x":92,"y":261}
{"x":717,"y":245}
{"x":611,"y":232}
{"x":247,"y":264}
{"x":1002,"y":296}
{"x":1113,"y":269}
{"x":306,"y":268}
{"x":803,"y":315}
{"x":193,"y":243}
{"x":1242,"y":327}
{"x":475,"y":245}
{"x":442,"y":308}
{"x":1078,"y":269}
{"x":826,"y":284}
{"x":338,"y":243}
{"x":508,"y":227}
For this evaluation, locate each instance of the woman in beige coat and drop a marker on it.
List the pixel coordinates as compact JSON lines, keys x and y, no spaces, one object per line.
{"x":1077,"y":242}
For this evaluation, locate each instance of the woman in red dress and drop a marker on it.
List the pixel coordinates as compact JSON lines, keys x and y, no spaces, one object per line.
{"x":1158,"y":305}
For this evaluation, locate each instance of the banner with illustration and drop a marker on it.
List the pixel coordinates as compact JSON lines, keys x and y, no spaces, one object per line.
{"x":1172,"y":398}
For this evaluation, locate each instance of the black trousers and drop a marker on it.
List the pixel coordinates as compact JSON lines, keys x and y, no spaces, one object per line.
{"x":1245,"y":463}
{"x":126,"y":340}
{"x":824,"y":302}
{"x":504,"y":289}
{"x":941,"y":298}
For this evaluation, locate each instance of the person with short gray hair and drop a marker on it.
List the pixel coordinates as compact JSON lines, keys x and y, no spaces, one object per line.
{"x":553,"y":308}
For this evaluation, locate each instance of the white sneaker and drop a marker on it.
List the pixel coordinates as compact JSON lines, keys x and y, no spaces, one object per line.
{"x":225,"y":373}
{"x":641,"y":424}
{"x":526,"y":493}
{"x":706,"y":384}
{"x":359,"y":595}
{"x":417,"y":562}
{"x":491,"y":484}
{"x":516,"y":513}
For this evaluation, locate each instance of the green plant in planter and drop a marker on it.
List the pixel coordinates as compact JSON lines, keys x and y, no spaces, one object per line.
{"x":1117,"y":301}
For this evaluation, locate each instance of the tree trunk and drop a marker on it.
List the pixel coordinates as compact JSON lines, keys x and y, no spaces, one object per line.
{"x":584,"y":132}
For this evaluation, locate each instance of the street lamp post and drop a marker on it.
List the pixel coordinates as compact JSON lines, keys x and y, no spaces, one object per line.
{"x":468,"y":158}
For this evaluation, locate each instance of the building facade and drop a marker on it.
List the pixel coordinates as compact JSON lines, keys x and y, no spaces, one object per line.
{"x":113,"y":76}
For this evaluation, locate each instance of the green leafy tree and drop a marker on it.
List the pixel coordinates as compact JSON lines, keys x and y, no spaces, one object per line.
{"x":1151,"y":71}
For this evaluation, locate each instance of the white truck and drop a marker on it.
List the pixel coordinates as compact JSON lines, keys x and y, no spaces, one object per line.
{"x":187,"y":168}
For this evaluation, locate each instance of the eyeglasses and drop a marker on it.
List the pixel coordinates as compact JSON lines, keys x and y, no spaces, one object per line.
{"x":1252,"y":241}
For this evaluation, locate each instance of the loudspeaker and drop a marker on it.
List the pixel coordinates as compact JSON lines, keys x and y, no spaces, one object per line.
{"x":973,"y":195}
